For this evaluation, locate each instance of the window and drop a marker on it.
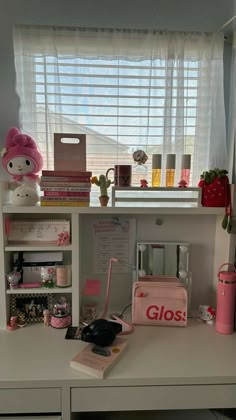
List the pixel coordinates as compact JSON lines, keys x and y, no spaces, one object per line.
{"x":126,"y":90}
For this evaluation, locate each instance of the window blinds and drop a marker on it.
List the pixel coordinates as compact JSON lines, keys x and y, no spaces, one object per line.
{"x":126,"y":90}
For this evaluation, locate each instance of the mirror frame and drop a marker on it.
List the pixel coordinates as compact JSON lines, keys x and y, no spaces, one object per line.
{"x":187,"y":277}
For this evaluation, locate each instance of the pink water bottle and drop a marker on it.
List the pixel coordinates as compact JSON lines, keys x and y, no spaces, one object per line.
{"x":225,"y":301}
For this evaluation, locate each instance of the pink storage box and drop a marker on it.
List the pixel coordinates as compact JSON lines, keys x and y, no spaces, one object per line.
{"x":159,"y":302}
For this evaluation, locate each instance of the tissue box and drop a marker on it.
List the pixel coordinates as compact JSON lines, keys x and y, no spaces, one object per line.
{"x":159,"y":302}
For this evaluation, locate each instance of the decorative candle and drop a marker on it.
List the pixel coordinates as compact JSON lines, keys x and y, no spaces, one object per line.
{"x":63,"y":276}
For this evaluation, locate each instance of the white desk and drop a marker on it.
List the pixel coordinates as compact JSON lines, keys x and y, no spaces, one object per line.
{"x":163,"y":368}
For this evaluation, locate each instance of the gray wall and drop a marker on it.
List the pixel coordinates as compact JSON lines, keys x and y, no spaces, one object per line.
{"x":186,"y":15}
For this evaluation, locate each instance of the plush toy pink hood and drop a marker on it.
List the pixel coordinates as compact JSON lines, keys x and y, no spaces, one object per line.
{"x":22,"y":145}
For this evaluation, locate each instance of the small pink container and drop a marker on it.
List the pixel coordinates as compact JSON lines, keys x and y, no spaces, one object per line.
{"x":225,"y":301}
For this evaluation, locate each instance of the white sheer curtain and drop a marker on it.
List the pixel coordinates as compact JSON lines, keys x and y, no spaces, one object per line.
{"x":232,"y":113}
{"x":126,"y":90}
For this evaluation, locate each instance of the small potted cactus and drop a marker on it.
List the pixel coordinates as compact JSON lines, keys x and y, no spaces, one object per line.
{"x":103,"y":183}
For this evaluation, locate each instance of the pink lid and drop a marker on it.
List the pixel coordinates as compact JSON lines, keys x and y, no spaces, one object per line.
{"x":227,"y":276}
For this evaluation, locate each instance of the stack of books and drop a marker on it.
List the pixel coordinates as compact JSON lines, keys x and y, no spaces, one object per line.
{"x":65,"y":188}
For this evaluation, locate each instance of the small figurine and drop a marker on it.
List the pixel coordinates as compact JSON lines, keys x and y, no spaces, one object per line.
{"x":12,"y":324}
{"x":61,"y":308}
{"x":46,"y":317}
{"x":48,"y":276}
{"x":144,"y":183}
{"x":103,"y":183}
{"x":206,"y":313}
{"x":21,"y":320}
{"x":182,"y":183}
{"x":14,"y":278}
{"x":24,"y":195}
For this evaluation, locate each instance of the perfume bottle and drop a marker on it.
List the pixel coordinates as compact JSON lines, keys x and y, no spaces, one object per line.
{"x":139,"y":173}
{"x":139,"y":170}
{"x":170,"y":170}
{"x":185,"y":169}
{"x":156,"y":170}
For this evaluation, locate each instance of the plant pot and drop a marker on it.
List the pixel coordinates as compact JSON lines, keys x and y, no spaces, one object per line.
{"x":103,"y":200}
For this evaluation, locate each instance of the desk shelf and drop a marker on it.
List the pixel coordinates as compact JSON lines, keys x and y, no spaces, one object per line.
{"x":39,"y":290}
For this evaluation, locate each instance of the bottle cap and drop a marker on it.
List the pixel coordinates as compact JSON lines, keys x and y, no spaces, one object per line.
{"x":156,"y":161}
{"x":170,"y":161}
{"x":186,"y":162}
{"x":227,"y":276}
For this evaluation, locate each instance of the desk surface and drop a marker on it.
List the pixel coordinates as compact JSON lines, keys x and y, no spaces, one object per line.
{"x":39,"y":356}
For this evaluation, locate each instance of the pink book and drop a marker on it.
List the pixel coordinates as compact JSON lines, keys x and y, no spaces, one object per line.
{"x":66,"y":198}
{"x":65,"y":189}
{"x":97,"y":361}
{"x":77,"y":178}
{"x":53,"y":184}
{"x":66,"y":194}
{"x":66,"y":173}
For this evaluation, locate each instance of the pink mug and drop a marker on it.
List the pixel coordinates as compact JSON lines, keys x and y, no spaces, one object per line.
{"x":122,"y":175}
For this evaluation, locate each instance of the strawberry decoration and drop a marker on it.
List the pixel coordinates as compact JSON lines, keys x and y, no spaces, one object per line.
{"x":216,"y":193}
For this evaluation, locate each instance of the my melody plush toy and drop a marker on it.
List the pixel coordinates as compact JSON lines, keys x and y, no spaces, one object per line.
{"x":22,"y":159}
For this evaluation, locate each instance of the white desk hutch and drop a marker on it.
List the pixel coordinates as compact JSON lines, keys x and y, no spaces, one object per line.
{"x":163,"y":367}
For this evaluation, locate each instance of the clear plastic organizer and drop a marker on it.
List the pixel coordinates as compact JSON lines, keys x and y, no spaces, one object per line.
{"x":156,"y":197}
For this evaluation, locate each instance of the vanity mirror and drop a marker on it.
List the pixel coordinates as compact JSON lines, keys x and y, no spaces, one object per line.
{"x":164,"y":259}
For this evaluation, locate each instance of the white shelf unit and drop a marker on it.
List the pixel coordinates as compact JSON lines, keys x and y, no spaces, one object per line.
{"x":210,"y":246}
{"x":7,"y":249}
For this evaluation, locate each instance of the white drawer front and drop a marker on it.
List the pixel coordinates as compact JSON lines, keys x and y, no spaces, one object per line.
{"x":39,"y":400}
{"x":31,"y":418}
{"x":152,"y":397}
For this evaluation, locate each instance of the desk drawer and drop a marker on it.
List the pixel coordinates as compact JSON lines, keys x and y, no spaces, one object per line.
{"x":49,"y":417}
{"x":152,"y":397}
{"x":38,"y":400}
